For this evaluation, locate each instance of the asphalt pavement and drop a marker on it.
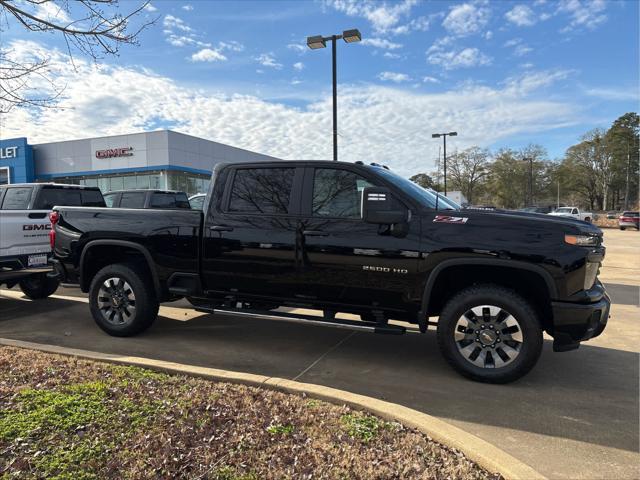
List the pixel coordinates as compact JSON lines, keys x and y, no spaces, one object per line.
{"x":574,"y":416}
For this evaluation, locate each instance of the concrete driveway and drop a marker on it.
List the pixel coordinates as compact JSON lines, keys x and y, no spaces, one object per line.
{"x":575,"y":415}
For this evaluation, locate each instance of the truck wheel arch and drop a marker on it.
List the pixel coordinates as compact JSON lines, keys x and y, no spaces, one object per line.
{"x":489,"y":263}
{"x":85,"y":282}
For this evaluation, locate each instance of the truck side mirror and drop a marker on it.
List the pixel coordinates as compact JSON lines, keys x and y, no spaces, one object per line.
{"x":381,"y":207}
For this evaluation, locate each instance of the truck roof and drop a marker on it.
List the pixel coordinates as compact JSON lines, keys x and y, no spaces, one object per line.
{"x":50,"y":184}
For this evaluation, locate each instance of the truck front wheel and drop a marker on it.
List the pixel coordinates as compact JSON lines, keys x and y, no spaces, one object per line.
{"x":490,"y":334}
{"x":122,"y":300}
{"x":38,"y":286}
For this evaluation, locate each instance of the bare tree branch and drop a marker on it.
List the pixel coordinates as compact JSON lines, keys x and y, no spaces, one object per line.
{"x":99,"y":29}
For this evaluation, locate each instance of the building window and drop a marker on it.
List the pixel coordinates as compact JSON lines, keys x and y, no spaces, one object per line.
{"x":4,"y":176}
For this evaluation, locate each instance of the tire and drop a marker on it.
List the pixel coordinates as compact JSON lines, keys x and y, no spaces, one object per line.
{"x":622,"y":228}
{"x":499,"y":342}
{"x":39,"y":286}
{"x":122,"y":300}
{"x":588,"y":220}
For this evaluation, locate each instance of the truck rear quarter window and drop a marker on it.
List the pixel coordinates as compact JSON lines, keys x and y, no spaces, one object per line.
{"x":337,"y":193}
{"x":261,"y":190}
{"x":17,"y":198}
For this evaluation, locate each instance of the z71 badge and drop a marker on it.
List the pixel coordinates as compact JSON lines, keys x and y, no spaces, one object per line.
{"x":448,"y":219}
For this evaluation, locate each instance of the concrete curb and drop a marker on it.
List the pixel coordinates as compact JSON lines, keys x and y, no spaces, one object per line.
{"x":483,"y":453}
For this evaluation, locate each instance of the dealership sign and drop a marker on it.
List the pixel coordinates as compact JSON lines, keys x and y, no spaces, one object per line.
{"x":8,"y":152}
{"x":115,"y":152}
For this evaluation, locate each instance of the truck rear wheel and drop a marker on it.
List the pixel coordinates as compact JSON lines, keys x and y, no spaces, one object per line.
{"x":122,"y":300}
{"x":490,"y":334}
{"x":38,"y":286}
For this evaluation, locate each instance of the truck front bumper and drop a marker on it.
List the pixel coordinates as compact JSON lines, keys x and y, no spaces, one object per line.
{"x":576,"y":322}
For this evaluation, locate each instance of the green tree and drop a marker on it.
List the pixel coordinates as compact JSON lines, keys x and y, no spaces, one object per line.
{"x":622,"y":141}
{"x":424,"y":180}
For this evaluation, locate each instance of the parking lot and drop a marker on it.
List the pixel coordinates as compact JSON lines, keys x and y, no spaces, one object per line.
{"x":574,"y":415}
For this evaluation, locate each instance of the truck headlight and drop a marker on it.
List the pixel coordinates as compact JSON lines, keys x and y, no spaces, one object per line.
{"x":582,"y":240}
{"x":590,"y":274}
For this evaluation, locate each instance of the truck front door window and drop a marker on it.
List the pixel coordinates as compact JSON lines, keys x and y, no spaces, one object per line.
{"x":337,"y":193}
{"x":261,"y":190}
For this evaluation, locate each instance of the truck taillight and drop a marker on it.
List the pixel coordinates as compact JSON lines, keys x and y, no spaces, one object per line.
{"x":53,"y":218}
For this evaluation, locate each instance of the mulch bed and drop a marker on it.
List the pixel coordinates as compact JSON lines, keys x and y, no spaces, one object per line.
{"x":68,"y":418}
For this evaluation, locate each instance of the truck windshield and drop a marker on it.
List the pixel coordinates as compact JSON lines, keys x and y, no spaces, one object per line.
{"x":425,"y":197}
{"x":564,"y":210}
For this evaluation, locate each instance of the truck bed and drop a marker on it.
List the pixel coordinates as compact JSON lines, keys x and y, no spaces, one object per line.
{"x":171,"y":237}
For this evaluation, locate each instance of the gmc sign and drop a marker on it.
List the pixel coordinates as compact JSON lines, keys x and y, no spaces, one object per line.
{"x":44,"y":226}
{"x":115,"y":152}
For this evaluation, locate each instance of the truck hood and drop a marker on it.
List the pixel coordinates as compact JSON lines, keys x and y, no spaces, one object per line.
{"x":507,"y":215}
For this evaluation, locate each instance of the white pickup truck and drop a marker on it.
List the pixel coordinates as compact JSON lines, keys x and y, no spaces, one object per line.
{"x":24,"y":232}
{"x":573,"y":212}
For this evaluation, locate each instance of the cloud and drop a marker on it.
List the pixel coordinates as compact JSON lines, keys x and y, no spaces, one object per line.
{"x":187,"y":7}
{"x":378,"y":123}
{"x":519,"y":47}
{"x":268,"y":60}
{"x":466,"y":19}
{"x":208,"y":55}
{"x":614,"y":94}
{"x":430,"y":80}
{"x":530,"y":81}
{"x":150,"y":8}
{"x":521,"y":15}
{"x":51,"y":12}
{"x":175,"y":23}
{"x":296,"y":47}
{"x":450,"y":58}
{"x":231,"y":45}
{"x":298,"y":66}
{"x":381,"y":43}
{"x":394,"y":77}
{"x":384,"y":17}
{"x":583,"y":13}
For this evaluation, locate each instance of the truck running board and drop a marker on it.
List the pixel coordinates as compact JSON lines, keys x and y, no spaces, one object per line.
{"x":308,"y":319}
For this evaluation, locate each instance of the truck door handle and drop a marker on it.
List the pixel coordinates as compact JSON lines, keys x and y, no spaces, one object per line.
{"x":38,"y":215}
{"x":220,"y":228}
{"x":314,"y":233}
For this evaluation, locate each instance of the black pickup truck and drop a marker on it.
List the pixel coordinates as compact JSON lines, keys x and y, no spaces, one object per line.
{"x":343,"y":237}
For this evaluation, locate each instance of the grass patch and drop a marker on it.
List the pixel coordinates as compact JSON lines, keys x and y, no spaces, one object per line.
{"x":280,"y":429}
{"x":362,"y":426}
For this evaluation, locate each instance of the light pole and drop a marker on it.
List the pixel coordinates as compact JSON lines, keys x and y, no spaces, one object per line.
{"x":318,"y":41}
{"x":444,"y":150}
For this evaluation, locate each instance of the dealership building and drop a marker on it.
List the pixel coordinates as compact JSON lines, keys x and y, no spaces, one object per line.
{"x":162,"y":159}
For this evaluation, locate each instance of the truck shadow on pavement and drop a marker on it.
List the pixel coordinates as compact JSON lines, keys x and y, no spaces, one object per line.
{"x":589,"y":395}
{"x":623,"y":294}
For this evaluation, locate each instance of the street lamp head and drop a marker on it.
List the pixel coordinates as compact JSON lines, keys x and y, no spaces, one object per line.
{"x":315,"y":42}
{"x":435,"y":135}
{"x":352,"y":36}
{"x":453,"y":134}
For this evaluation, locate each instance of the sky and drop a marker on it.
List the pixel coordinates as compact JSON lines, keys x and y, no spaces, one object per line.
{"x":500,"y":73}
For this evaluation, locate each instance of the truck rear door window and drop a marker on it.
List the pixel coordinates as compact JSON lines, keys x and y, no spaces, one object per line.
{"x":261,"y":190}
{"x":17,"y":198}
{"x":132,"y":200}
